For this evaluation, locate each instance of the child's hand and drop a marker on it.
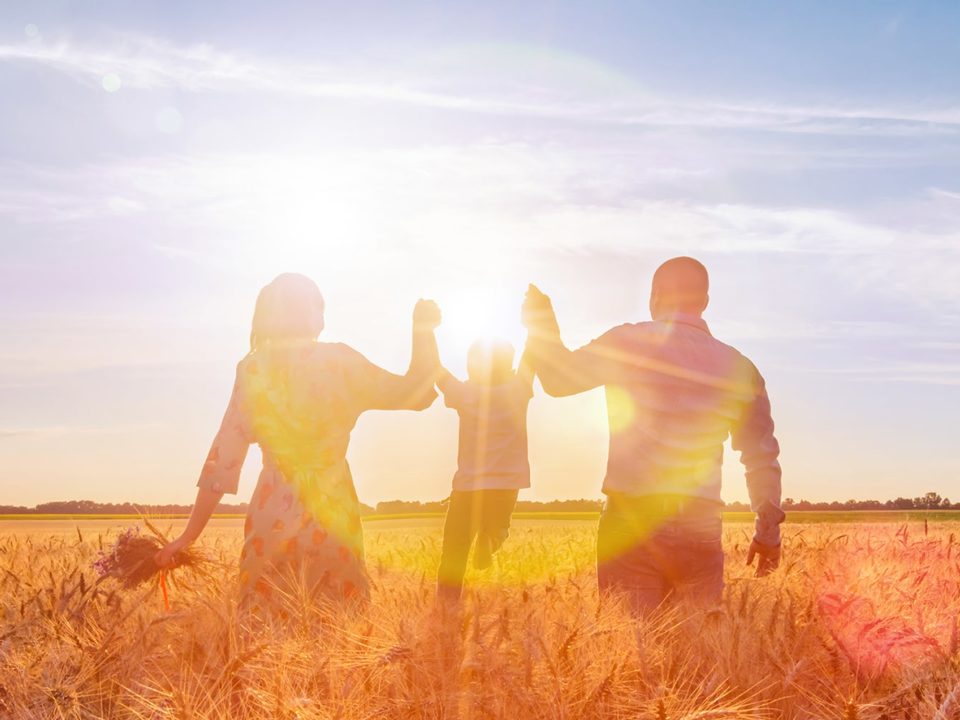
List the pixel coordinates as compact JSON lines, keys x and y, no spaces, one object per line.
{"x":426,"y":315}
{"x":443,"y":379}
{"x":536,"y":312}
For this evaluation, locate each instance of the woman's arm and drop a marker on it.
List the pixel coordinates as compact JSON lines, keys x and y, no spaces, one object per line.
{"x":424,"y":354}
{"x":220,"y":474}
{"x":203,"y":508}
{"x":414,"y":390}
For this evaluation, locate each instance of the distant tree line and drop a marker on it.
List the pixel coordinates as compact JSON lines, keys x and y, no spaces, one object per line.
{"x":928,"y":501}
{"x":89,"y":507}
{"x":396,"y":507}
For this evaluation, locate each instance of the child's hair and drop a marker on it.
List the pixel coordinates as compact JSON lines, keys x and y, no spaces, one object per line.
{"x":289,"y":308}
{"x":490,"y":361}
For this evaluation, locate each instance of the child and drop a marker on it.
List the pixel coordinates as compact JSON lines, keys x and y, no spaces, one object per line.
{"x":492,"y":458}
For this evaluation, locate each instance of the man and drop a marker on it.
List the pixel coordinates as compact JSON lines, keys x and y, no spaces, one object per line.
{"x":674,"y":394}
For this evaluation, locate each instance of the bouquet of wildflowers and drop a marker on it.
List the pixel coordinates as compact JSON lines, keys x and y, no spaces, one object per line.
{"x":130,"y":559}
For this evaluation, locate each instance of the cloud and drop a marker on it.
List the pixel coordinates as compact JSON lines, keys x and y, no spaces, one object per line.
{"x":144,"y":63}
{"x":778,"y":328}
{"x":924,"y":373}
{"x":64,"y":430}
{"x":495,"y":199}
{"x":539,"y":84}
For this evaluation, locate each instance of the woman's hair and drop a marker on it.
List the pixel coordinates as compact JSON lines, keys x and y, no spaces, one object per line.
{"x":290,"y":307}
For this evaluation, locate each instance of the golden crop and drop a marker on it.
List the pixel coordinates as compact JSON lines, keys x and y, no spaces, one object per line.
{"x":860,"y":622}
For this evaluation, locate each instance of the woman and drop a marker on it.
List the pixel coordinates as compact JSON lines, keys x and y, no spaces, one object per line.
{"x":299,"y":399}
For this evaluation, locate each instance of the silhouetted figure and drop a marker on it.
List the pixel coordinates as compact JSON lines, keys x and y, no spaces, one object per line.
{"x":299,"y":399}
{"x":674,"y":395}
{"x":492,"y":464}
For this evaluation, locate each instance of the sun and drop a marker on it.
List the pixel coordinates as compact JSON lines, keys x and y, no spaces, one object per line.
{"x":480,"y":313}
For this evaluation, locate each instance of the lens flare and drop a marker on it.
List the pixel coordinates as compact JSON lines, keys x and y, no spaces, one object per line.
{"x":111,"y":82}
{"x":621,"y":409}
{"x":481,"y":314}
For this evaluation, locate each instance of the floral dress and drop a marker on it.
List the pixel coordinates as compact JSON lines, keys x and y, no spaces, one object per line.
{"x":299,"y":402}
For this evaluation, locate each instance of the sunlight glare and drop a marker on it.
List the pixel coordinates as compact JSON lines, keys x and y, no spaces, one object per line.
{"x":479,"y":314}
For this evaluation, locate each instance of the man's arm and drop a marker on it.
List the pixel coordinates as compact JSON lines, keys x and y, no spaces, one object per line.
{"x":759,"y":452}
{"x":561,"y":371}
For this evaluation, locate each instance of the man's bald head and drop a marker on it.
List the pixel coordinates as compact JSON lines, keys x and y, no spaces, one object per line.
{"x":681,"y":284}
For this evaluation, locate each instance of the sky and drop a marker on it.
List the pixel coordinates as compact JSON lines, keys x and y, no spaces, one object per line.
{"x":161,"y":161}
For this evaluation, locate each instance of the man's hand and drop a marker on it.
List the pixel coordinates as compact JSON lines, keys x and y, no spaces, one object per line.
{"x":769,"y":557}
{"x":166,"y":556}
{"x":537,"y":311}
{"x":426,"y":315}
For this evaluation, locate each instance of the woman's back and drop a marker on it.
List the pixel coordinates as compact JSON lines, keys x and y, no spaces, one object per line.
{"x":302,"y":400}
{"x":299,"y":400}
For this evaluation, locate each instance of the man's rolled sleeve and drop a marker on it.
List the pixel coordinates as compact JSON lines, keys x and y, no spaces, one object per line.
{"x":565,"y":372}
{"x":759,"y":450}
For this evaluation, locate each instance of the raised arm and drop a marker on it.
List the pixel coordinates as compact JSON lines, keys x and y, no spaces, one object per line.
{"x":561,"y":371}
{"x":759,"y":452}
{"x":452,"y":388}
{"x":414,"y":390}
{"x":525,"y":368}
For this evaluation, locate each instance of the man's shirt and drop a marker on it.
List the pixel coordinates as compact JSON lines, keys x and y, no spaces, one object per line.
{"x":492,"y":454}
{"x":674,"y":395}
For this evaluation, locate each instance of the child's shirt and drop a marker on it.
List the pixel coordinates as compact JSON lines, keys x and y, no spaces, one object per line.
{"x":493,"y":432}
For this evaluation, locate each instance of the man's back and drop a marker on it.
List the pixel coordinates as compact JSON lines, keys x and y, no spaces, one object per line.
{"x":674,"y":394}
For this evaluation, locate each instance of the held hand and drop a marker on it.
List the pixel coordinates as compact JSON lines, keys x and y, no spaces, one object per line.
{"x":426,"y":315}
{"x":769,"y":557}
{"x":537,"y":310}
{"x":166,"y":556}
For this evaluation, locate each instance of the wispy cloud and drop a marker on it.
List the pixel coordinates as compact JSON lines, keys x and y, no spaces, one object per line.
{"x":925,"y":373}
{"x":147,"y":63}
{"x":144,"y":63}
{"x":71,"y":430}
{"x":512,"y":197}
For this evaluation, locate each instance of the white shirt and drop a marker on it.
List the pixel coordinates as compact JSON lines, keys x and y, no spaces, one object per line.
{"x":674,"y":395}
{"x":493,"y":433}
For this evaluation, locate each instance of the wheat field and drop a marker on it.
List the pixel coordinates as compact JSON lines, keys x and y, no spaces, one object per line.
{"x":859,"y":622}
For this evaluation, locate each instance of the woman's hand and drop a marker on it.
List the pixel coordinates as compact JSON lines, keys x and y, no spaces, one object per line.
{"x":166,"y":556}
{"x":426,"y":315}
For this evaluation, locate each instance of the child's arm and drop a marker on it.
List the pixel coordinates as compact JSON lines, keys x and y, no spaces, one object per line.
{"x":445,"y":379}
{"x":451,"y":388}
